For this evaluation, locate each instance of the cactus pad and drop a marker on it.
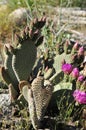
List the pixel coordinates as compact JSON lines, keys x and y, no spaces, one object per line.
{"x":8,"y":65}
{"x":38,"y":97}
{"x":23,"y":60}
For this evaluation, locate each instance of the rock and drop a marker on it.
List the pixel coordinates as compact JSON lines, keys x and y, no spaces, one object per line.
{"x":19,"y":17}
{"x":5,"y":103}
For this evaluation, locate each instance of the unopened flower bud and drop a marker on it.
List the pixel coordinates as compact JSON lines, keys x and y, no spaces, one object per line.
{"x":66,"y":45}
{"x":80,"y":78}
{"x":35,"y":35}
{"x":74,"y":58}
{"x":58,"y":48}
{"x":75,"y":73}
{"x":27,"y":30}
{"x":43,"y":18}
{"x":6,"y":49}
{"x":18,"y":37}
{"x":76,"y":46}
{"x":35,"y":20}
{"x":81,"y":51}
{"x":23,"y":34}
{"x":84,"y":85}
{"x":30,"y":32}
{"x":63,"y":62}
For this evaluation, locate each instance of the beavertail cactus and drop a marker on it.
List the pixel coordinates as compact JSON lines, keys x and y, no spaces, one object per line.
{"x":73,"y":54}
{"x":25,"y":54}
{"x":23,"y":60}
{"x":19,"y":60}
{"x":68,"y":57}
{"x":63,"y":70}
{"x":38,"y":97}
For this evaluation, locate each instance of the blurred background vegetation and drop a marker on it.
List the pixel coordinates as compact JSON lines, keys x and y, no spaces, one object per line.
{"x":64,"y":3}
{"x":36,"y":7}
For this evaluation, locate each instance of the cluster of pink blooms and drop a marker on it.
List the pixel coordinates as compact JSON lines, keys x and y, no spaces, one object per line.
{"x":74,"y":72}
{"x":80,"y":96}
{"x":80,"y":49}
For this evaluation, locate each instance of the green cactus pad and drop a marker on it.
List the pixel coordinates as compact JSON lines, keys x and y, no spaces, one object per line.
{"x":13,"y":93}
{"x":41,"y":95}
{"x":25,"y":88}
{"x":49,"y":73}
{"x":9,"y":69}
{"x":58,"y":60}
{"x":5,"y":76}
{"x":39,"y":23}
{"x":24,"y":59}
{"x":38,"y":97}
{"x":60,"y":86}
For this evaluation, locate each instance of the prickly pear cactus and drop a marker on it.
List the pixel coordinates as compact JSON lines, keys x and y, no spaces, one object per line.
{"x":20,"y":59}
{"x":70,"y":54}
{"x":25,"y":55}
{"x":68,"y":67}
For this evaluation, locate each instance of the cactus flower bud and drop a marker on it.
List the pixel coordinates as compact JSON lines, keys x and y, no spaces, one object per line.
{"x":30,"y":33}
{"x":84,"y":60}
{"x":43,"y":18}
{"x":27,"y":29}
{"x":39,"y":41}
{"x":83,"y":86}
{"x":81,"y":51}
{"x":66,"y":45}
{"x":76,"y":46}
{"x":6,"y":48}
{"x":23,"y":34}
{"x":18,"y":37}
{"x":75,"y":73}
{"x":46,"y":69}
{"x":63,"y":62}
{"x":80,"y":96}
{"x":80,"y":78}
{"x":58,"y":50}
{"x":73,"y":58}
{"x":67,"y":68}
{"x":35,"y":35}
{"x":11,"y":49}
{"x":35,"y":20}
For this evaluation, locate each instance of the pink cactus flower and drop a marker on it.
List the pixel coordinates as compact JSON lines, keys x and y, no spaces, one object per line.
{"x":80,"y":96}
{"x":75,"y":73}
{"x":67,"y":68}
